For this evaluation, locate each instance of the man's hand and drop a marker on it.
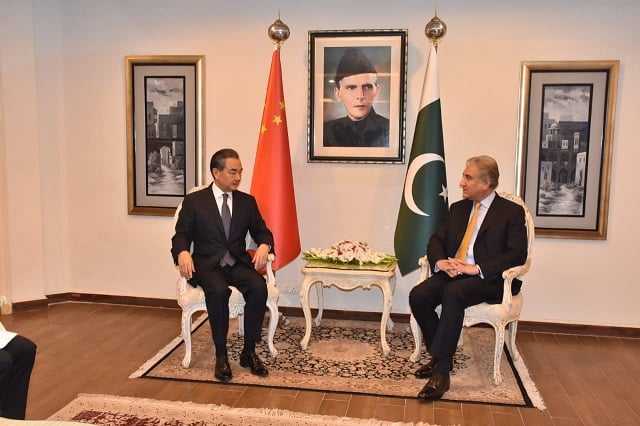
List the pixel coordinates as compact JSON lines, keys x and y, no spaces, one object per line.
{"x":185,"y":264}
{"x":448,"y":267}
{"x":260,"y":257}
{"x":454,"y":267}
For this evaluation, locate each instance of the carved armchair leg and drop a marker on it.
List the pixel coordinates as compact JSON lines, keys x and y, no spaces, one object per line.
{"x":273,"y":324}
{"x":511,"y":340}
{"x":186,"y":336}
{"x":241,"y":323}
{"x":417,"y":338}
{"x":497,"y":353}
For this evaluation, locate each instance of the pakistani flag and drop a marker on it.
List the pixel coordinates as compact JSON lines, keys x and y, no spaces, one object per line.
{"x":424,"y":202}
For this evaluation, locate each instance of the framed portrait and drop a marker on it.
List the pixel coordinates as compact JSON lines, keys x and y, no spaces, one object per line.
{"x":565,"y":139}
{"x":165,"y":131}
{"x":357,"y":96}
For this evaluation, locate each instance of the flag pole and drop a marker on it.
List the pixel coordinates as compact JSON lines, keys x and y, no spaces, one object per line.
{"x":424,"y":203}
{"x":272,"y":182}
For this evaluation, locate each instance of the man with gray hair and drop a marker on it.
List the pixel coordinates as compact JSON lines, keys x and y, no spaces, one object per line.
{"x":483,"y":235}
{"x":215,"y":220}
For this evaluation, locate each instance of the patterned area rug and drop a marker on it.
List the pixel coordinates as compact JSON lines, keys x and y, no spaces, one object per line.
{"x":345,"y":356}
{"x":124,"y":411}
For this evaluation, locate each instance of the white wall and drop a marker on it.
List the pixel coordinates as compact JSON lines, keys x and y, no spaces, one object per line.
{"x":63,"y":100}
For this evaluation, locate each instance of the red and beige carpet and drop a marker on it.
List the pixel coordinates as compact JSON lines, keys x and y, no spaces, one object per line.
{"x":125,"y":411}
{"x":345,"y":356}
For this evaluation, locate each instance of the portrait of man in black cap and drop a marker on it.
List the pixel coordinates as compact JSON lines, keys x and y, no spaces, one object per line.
{"x":357,"y":87}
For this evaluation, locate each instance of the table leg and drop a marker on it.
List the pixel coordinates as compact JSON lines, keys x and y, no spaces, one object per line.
{"x":305,"y":288}
{"x":386,"y":317}
{"x":320,"y":293}
{"x":393,"y":290}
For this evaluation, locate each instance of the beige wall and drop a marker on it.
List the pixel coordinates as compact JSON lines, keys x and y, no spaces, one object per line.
{"x":63,"y":104}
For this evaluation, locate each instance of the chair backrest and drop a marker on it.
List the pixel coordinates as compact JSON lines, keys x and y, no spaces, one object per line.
{"x":528,"y":220}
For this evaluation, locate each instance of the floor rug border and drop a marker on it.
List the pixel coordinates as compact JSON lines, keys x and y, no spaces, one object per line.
{"x":530,"y":393}
{"x":270,"y":415}
{"x":163,"y":353}
{"x":528,"y":402}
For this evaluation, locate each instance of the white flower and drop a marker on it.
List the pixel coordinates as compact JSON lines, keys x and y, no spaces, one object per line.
{"x":354,"y":252}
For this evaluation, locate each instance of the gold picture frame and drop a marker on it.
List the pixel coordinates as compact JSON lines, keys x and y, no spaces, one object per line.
{"x":565,"y":145}
{"x":165,"y":131}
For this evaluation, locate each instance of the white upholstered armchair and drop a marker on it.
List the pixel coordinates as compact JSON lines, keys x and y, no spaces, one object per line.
{"x":191,"y":300}
{"x":499,"y":316}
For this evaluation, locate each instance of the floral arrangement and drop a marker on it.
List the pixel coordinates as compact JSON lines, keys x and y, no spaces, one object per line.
{"x":349,"y":252}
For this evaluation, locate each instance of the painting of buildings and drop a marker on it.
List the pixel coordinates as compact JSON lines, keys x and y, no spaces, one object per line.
{"x":564,"y":149}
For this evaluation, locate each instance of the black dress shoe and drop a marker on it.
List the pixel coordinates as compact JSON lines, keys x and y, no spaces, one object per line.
{"x":437,"y":385}
{"x":425,"y":371}
{"x":222,"y":371}
{"x":252,"y":361}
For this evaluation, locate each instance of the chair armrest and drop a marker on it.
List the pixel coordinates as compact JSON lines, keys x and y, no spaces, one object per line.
{"x":425,"y":268}
{"x":181,"y":284}
{"x":271,"y":278}
{"x":509,"y":275}
{"x":516,"y":271}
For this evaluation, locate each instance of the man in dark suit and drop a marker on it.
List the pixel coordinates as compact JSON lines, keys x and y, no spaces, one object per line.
{"x":357,"y":88}
{"x":17,"y":356}
{"x":220,"y":257}
{"x":483,"y":235}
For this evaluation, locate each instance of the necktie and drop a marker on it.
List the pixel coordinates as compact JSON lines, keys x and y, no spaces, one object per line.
{"x":226,"y":215}
{"x":464,"y":245}
{"x":227,"y":259}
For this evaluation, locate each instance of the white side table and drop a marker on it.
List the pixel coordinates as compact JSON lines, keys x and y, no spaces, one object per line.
{"x":347,"y":277}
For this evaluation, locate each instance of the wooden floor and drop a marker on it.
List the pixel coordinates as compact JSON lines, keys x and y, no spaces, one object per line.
{"x":92,"y":348}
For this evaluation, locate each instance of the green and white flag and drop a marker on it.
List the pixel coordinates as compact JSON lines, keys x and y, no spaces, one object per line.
{"x":424,"y":203}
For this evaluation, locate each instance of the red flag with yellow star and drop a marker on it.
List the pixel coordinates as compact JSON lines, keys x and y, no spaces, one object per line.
{"x":272,"y":182}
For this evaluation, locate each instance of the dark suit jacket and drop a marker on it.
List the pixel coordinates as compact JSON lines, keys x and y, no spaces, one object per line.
{"x":371,"y":131}
{"x":199,"y":222}
{"x":501,"y":242}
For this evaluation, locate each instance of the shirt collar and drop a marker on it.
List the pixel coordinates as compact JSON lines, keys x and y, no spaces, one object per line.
{"x":217,"y":192}
{"x":486,"y":203}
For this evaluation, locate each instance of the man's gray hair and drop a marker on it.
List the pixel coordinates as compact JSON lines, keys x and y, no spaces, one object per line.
{"x":488,"y":168}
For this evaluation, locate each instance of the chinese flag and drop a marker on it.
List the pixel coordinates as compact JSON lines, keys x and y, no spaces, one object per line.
{"x":272,"y":182}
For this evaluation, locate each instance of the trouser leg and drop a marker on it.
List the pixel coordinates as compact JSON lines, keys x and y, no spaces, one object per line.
{"x":254,"y":290}
{"x":457,"y":295}
{"x":16,"y":364}
{"x":216,"y":294}
{"x":423,"y":300}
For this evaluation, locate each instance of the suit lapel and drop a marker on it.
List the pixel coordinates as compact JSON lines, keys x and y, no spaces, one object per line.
{"x":237,"y":210}
{"x":460,"y":226}
{"x":490,"y":216}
